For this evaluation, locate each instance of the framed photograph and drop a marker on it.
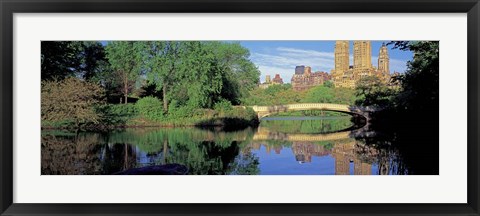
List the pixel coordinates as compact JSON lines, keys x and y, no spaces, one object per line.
{"x":243,"y":108}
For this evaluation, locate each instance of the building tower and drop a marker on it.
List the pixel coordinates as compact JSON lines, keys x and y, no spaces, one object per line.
{"x":267,"y":79}
{"x":383,"y":60}
{"x":299,"y":70}
{"x":342,"y":61}
{"x":308,"y":70}
{"x":277,"y":79}
{"x":362,"y":55}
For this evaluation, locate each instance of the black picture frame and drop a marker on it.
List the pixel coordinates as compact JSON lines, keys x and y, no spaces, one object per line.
{"x":9,"y":7}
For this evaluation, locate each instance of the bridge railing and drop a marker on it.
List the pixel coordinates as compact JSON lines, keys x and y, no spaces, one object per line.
{"x":310,"y":106}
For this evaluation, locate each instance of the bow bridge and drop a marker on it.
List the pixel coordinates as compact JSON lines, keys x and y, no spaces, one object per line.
{"x":264,"y":111}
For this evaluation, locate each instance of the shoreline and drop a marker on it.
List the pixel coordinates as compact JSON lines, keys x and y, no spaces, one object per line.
{"x":242,"y":123}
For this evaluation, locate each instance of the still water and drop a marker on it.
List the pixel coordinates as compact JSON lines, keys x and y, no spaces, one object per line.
{"x":279,"y":146}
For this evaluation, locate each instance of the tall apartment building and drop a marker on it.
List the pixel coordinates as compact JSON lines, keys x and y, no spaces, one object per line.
{"x":344,"y":76}
{"x":342,"y":56}
{"x":362,"y":55}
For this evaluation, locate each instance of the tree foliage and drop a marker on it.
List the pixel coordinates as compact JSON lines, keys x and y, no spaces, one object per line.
{"x":420,"y":83}
{"x":320,"y":94}
{"x":60,"y":59}
{"x":274,"y":95}
{"x":203,"y":75}
{"x":198,"y":74}
{"x":328,"y":84}
{"x":94,"y":63}
{"x":126,"y":63}
{"x":371,"y":91}
{"x":161,"y":65}
{"x":326,"y":93}
{"x":240,"y":75}
{"x":150,"y":107}
{"x":71,"y":99}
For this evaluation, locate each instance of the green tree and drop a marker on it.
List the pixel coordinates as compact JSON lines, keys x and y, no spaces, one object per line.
{"x":328,"y":84}
{"x":239,"y":74}
{"x":199,"y":74}
{"x":161,"y":58}
{"x":274,"y":95}
{"x":320,"y":94}
{"x":202,"y":74}
{"x":372,"y":91}
{"x":344,"y":96}
{"x":60,"y":59}
{"x":93,"y":60}
{"x":420,"y":83}
{"x":126,"y":61}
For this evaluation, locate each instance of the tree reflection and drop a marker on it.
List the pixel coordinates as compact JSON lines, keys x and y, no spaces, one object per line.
{"x":204,"y":152}
{"x":70,"y":154}
{"x":308,"y":125}
{"x":216,"y":152}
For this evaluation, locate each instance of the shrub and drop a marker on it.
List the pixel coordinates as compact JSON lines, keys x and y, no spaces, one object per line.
{"x":123,"y":109}
{"x":72,"y":100}
{"x":243,"y":113}
{"x":223,"y":106}
{"x":150,"y":108}
{"x":181,"y":112}
{"x":117,"y":114}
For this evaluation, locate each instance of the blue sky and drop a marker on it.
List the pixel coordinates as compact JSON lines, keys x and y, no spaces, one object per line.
{"x":281,"y":57}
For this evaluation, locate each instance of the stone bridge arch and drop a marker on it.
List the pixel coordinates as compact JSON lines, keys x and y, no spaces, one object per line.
{"x":264,"y":111}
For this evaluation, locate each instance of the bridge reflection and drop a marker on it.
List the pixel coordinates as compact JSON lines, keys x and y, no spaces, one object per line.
{"x":350,"y":155}
{"x":263,"y":133}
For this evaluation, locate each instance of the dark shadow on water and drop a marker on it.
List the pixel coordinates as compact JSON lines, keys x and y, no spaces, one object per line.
{"x":228,"y":123}
{"x":416,"y":138}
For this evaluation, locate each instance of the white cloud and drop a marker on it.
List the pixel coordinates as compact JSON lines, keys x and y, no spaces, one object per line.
{"x":300,"y":52}
{"x":285,"y":73}
{"x":285,"y":59}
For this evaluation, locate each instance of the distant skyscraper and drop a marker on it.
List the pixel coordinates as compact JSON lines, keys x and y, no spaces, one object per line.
{"x":277,"y":79}
{"x":344,"y":75}
{"x":362,"y":55}
{"x":269,"y":81}
{"x":308,"y":70}
{"x":383,"y":60}
{"x":300,"y":69}
{"x":342,"y":61}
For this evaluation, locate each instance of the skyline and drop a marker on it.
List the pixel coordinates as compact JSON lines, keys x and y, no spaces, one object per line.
{"x":281,"y":57}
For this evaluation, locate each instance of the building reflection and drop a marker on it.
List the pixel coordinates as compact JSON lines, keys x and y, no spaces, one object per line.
{"x":304,"y":151}
{"x":345,"y":154}
{"x":350,"y":156}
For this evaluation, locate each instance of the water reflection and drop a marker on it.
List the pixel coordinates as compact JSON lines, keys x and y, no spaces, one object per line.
{"x":277,"y":146}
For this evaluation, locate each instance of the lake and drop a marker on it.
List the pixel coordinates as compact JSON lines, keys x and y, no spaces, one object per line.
{"x":278,"y":146}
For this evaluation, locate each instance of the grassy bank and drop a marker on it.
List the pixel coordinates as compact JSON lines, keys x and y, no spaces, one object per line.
{"x":130,"y":115}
